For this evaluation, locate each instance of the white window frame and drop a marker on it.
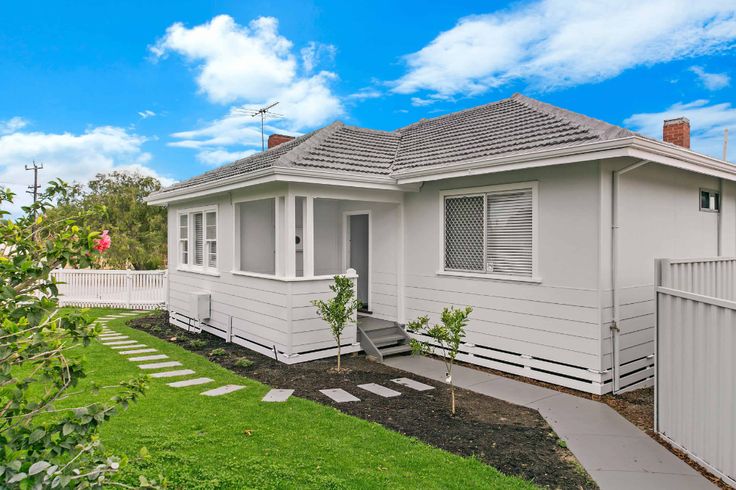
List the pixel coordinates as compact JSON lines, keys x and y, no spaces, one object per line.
{"x":712,"y":192}
{"x":191,"y":267}
{"x":475,"y":191}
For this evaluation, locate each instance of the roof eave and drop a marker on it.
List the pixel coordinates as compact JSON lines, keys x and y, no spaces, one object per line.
{"x":279,"y":174}
{"x":630,"y":146}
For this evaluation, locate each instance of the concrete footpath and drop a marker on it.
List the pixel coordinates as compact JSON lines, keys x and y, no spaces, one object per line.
{"x":615,"y":453}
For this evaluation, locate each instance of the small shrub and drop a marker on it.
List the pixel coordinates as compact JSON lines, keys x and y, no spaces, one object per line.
{"x":197,"y":343}
{"x":217,"y":352}
{"x":243,"y":362}
{"x":446,"y":338}
{"x":338,"y":311}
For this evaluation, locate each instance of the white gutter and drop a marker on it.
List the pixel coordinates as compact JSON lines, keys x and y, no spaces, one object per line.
{"x":632,"y":146}
{"x":310,"y":176}
{"x":615,"y":330}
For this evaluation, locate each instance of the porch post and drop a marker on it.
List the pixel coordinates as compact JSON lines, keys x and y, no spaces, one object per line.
{"x":279,"y":236}
{"x":290,"y":235}
{"x":308,"y":232}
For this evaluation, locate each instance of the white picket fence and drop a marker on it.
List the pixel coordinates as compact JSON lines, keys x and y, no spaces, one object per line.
{"x":695,"y":392}
{"x":139,"y":290}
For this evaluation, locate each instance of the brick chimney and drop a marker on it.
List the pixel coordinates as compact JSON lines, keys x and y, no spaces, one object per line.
{"x":277,"y":139}
{"x":677,"y":131}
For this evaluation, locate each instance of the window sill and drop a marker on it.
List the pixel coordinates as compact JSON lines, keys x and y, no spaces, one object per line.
{"x":288,"y":279}
{"x":493,"y":277}
{"x":203,"y":272}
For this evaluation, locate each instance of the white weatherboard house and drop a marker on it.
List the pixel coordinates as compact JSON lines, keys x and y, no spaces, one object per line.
{"x":545,"y":221}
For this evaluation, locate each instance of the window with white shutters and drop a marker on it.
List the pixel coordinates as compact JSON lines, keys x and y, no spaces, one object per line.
{"x":509,"y":240}
{"x":490,"y":231}
{"x":198,"y":240}
{"x":183,"y":239}
{"x":211,"y":238}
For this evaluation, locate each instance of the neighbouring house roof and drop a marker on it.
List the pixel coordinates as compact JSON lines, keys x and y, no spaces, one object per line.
{"x":517,"y":125}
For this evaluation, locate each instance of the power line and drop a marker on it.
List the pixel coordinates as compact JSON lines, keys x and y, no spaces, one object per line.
{"x":264,"y":112}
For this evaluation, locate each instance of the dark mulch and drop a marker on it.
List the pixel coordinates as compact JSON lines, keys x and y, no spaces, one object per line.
{"x":513,"y":439}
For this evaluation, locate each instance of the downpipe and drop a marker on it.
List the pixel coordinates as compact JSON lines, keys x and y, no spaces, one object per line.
{"x":615,"y":225}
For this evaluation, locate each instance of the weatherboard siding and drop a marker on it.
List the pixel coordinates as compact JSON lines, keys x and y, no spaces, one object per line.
{"x":556,"y":321}
{"x":659,"y":216}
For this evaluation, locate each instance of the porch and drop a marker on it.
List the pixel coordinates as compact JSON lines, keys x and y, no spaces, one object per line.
{"x":288,"y":241}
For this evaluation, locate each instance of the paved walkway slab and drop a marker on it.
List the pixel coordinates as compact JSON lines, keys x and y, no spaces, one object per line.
{"x":190,"y":382}
{"x":414,"y":385}
{"x":616,"y":454}
{"x":136,"y":351}
{"x":108,"y":338}
{"x":148,"y":358}
{"x":120,"y":342}
{"x":129,"y":346}
{"x":339,"y":395}
{"x":159,"y":365}
{"x":277,"y":396}
{"x":222,"y":390}
{"x":379,"y":390}
{"x":171,"y":374}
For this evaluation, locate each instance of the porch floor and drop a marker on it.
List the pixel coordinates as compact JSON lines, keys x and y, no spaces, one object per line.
{"x":616,"y":454}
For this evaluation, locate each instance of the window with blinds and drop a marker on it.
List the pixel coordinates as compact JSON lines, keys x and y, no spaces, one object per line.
{"x":198,"y":240}
{"x":490,"y":232}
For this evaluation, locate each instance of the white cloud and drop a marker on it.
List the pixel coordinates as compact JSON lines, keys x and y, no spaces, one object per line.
{"x":314,"y":54}
{"x":12,"y":125}
{"x":146,"y":114}
{"x":72,"y":157}
{"x":255,"y":65}
{"x":711,"y":81}
{"x":707,"y":122}
{"x":420,"y":102}
{"x":218,"y":157}
{"x":556,"y":43}
{"x":366,"y":93}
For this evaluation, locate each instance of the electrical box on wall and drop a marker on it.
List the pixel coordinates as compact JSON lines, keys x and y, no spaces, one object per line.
{"x":201,"y":306}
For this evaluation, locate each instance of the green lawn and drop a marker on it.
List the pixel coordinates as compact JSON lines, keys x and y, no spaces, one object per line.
{"x":235,"y":441}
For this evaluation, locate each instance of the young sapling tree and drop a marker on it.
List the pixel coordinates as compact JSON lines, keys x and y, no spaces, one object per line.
{"x":338,"y":311}
{"x":445,"y":337}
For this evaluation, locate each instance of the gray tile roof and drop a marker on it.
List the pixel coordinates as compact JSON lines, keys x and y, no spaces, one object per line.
{"x":515,"y":125}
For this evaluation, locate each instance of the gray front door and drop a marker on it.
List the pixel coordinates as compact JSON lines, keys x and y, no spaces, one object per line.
{"x":358,"y":256}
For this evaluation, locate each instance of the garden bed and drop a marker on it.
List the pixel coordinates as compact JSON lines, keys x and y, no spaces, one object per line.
{"x":513,"y":439}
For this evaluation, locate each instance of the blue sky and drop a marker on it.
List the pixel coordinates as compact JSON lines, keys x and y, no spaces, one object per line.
{"x":152,"y":86}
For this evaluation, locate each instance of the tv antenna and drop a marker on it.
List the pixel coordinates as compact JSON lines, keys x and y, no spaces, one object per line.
{"x":264,"y":112}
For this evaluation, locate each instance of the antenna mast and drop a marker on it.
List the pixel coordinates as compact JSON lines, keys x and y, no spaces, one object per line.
{"x":264,"y":112}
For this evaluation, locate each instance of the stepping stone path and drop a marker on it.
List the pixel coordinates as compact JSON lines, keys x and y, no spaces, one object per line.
{"x":114,"y":337}
{"x":414,"y":385}
{"x":136,"y":351}
{"x":148,"y":358}
{"x":120,"y":342}
{"x":190,"y":382}
{"x":171,"y":374}
{"x":277,"y":396}
{"x":159,"y":365}
{"x":222,"y":390}
{"x":339,"y":395}
{"x":379,"y":390}
{"x":128,"y":346}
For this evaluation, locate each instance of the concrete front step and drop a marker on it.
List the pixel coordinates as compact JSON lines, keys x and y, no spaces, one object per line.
{"x":396,"y":349}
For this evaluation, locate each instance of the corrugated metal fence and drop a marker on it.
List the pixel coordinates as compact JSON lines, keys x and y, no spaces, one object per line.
{"x":140,"y":290}
{"x":696,"y":365}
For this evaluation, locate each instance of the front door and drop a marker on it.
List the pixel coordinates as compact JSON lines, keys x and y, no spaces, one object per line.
{"x":358,"y":244}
